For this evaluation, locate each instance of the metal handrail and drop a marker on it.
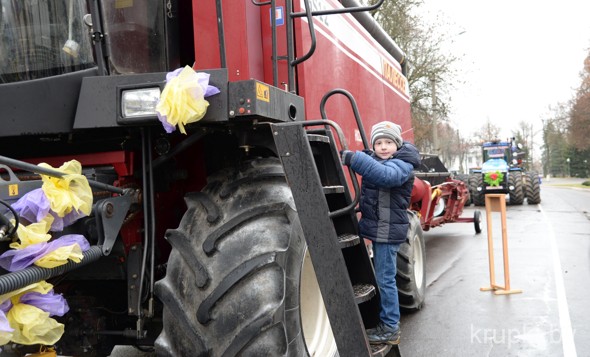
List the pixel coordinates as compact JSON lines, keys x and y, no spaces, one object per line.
{"x":344,"y":145}
{"x":355,"y":110}
{"x":221,"y":34}
{"x":341,"y":11}
{"x":309,"y":14}
{"x":292,"y":61}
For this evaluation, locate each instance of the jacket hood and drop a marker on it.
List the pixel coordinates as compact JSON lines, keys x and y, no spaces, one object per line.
{"x":408,"y":153}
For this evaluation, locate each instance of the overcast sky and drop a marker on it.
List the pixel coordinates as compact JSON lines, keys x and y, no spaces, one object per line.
{"x":520,"y":57}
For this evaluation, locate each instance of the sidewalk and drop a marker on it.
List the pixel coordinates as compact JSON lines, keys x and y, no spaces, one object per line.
{"x":563,"y":181}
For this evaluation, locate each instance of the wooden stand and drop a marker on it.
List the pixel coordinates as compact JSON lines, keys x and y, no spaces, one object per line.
{"x":497,"y":203}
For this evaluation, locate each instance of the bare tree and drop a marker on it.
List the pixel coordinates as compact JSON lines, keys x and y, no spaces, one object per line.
{"x":430,"y":74}
{"x":489,"y":132}
{"x":579,"y":124}
{"x":555,"y":145}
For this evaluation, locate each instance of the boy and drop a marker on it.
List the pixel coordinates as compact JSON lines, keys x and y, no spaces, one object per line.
{"x":385,"y":196}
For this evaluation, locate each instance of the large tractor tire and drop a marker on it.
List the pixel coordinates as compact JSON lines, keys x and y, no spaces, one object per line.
{"x":516,"y":195}
{"x":533,"y":188}
{"x":411,"y":267}
{"x":239,"y":280}
{"x":465,"y":179}
{"x":478,"y":197}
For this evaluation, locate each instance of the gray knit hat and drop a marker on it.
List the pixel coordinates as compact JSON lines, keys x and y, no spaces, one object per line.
{"x":389,"y":130}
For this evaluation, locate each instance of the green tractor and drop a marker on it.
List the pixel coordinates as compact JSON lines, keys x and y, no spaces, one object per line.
{"x":502,"y":172}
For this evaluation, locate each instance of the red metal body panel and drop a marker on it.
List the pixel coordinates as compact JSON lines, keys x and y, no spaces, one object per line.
{"x":420,"y":199}
{"x":242,"y":41}
{"x":348,"y":57}
{"x":122,"y":161}
{"x":266,"y":33}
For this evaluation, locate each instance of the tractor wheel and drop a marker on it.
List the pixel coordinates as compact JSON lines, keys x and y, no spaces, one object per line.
{"x":475,"y":181}
{"x":239,"y":280}
{"x":462,"y":177}
{"x":477,"y":221}
{"x":516,"y":195}
{"x":411,"y":267}
{"x":533,"y":189}
{"x":465,"y":179}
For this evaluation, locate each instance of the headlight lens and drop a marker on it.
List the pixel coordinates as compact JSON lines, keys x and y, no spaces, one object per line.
{"x":139,"y":102}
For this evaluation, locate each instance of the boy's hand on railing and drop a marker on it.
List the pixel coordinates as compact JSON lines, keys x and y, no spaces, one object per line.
{"x":346,"y":156}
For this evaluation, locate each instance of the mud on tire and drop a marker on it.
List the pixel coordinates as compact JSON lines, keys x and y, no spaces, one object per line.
{"x":233,"y":279}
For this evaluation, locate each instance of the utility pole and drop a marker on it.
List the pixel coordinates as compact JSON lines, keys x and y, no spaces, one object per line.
{"x":532,"y":148}
{"x":434,"y":116}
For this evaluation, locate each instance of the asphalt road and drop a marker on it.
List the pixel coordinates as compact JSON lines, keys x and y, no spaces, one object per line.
{"x":548,"y":250}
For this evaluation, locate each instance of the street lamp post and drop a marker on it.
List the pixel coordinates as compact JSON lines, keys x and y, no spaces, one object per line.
{"x":569,"y":170}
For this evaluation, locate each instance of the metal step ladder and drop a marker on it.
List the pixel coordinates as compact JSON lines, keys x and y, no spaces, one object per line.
{"x":328,"y":218}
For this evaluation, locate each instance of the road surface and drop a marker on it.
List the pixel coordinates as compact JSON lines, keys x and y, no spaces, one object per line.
{"x":548,"y":245}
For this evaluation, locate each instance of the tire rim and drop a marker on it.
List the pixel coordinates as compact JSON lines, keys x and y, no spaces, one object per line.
{"x":439,"y":208}
{"x":418,"y":262}
{"x":317,"y":331}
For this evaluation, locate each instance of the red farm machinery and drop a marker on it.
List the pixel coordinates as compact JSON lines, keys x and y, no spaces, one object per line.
{"x":215,"y":222}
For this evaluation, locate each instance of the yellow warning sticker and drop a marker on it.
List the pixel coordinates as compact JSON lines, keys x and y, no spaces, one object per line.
{"x":262,"y":92}
{"x":12,"y":190}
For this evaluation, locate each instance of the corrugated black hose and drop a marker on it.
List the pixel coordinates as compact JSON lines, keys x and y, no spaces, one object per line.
{"x":33,"y":274}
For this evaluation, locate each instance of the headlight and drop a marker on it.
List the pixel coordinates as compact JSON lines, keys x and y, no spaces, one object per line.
{"x":139,"y":102}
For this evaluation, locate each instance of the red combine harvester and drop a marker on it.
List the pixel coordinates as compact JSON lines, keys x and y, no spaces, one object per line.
{"x":210,"y":221}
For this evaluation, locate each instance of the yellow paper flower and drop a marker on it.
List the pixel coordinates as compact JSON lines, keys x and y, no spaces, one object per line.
{"x":183,"y":100}
{"x":60,"y":256}
{"x":41,"y":287}
{"x":33,"y":325}
{"x":71,"y":191}
{"x":33,"y":233}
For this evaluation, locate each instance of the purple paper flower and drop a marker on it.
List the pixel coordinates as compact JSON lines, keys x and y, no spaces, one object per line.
{"x":4,"y":324}
{"x":5,"y":306}
{"x":18,"y":259}
{"x":35,"y":205}
{"x":53,"y":303}
{"x":164,"y":119}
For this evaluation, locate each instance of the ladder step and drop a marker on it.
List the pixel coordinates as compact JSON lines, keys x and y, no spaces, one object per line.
{"x":333,"y":189}
{"x":384,"y":350}
{"x":363,"y":292}
{"x":348,"y":240}
{"x":318,"y":138}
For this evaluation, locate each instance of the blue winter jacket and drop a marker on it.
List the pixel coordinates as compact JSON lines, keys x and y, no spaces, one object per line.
{"x":385,"y":193}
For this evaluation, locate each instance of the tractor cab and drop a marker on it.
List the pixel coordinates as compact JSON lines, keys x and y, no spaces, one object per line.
{"x":501,"y":172}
